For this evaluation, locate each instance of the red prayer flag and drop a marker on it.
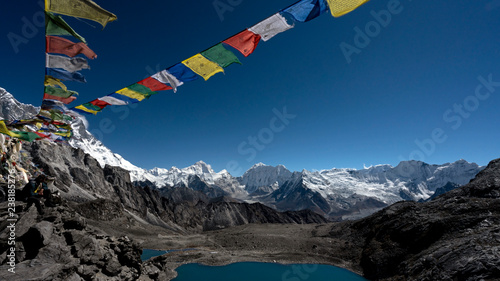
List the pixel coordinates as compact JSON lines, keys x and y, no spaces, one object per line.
{"x":99,"y":103}
{"x":154,"y":84}
{"x":60,"y":45}
{"x":63,"y":100}
{"x":41,"y":135}
{"x":245,"y":42}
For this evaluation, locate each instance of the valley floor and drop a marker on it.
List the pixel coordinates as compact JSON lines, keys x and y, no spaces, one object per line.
{"x":280,"y":243}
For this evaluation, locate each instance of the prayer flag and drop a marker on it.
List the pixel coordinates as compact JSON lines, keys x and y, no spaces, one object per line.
{"x":112,"y":100}
{"x":271,"y":26}
{"x":55,"y":25}
{"x":167,"y":78}
{"x":126,"y":99}
{"x":69,"y":64}
{"x":142,"y":89}
{"x":53,"y":91}
{"x":86,"y":9}
{"x":307,"y":10}
{"x":245,"y":42}
{"x":63,"y":46}
{"x":99,"y":103}
{"x":64,"y":75}
{"x":154,"y":84}
{"x":220,"y":55}
{"x":132,"y":94}
{"x":53,"y":104}
{"x":63,"y":100}
{"x":3,"y":129}
{"x":182,"y":73}
{"x":51,"y":81}
{"x":25,"y":136}
{"x":341,"y":7}
{"x":88,"y":108}
{"x":202,"y":66}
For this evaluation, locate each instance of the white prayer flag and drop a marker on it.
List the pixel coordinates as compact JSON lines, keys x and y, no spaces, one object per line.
{"x":166,"y":78}
{"x":271,"y":26}
{"x":70,"y":64}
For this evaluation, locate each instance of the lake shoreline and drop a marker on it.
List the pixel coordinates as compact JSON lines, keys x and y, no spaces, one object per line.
{"x":270,"y":243}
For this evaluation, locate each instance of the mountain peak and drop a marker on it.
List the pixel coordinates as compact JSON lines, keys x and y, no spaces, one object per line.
{"x":260,"y":164}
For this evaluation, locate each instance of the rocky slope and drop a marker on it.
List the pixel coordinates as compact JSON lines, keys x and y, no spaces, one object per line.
{"x":454,"y":237}
{"x":60,"y":246}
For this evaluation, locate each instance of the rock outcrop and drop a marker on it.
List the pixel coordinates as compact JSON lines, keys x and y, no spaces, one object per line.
{"x":453,"y":237}
{"x":59,"y":245}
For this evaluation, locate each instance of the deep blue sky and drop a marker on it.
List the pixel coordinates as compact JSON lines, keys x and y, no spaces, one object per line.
{"x":398,"y":90}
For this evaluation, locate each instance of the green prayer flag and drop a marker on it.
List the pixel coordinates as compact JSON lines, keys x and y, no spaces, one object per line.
{"x":56,"y":115}
{"x":141,"y":89}
{"x":220,"y":55}
{"x":58,"y":92}
{"x":55,"y":25}
{"x":25,"y":136}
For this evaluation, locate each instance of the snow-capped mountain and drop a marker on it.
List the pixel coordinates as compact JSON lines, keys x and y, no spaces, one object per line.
{"x":11,"y":109}
{"x":337,"y":193}
{"x":262,"y":178}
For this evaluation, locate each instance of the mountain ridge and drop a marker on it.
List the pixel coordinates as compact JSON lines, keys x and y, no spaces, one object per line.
{"x":339,"y":192}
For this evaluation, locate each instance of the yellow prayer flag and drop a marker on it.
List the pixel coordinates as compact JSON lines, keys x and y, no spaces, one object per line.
{"x":202,"y":66}
{"x":81,"y":107}
{"x":131,"y":94}
{"x":4,"y":130}
{"x":85,"y":9}
{"x":342,"y":7}
{"x":51,"y":81}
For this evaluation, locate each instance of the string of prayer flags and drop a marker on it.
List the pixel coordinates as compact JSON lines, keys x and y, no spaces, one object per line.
{"x":306,"y":10}
{"x":55,"y":25}
{"x":85,"y":9}
{"x":341,"y":7}
{"x":64,"y":75}
{"x":213,"y":60}
{"x":246,"y":42}
{"x":53,"y":119}
{"x":221,"y":56}
{"x":270,"y":27}
{"x":69,"y":64}
{"x":63,"y":46}
{"x":202,"y":66}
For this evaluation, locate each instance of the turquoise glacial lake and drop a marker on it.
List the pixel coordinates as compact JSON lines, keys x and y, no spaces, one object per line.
{"x":254,"y":271}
